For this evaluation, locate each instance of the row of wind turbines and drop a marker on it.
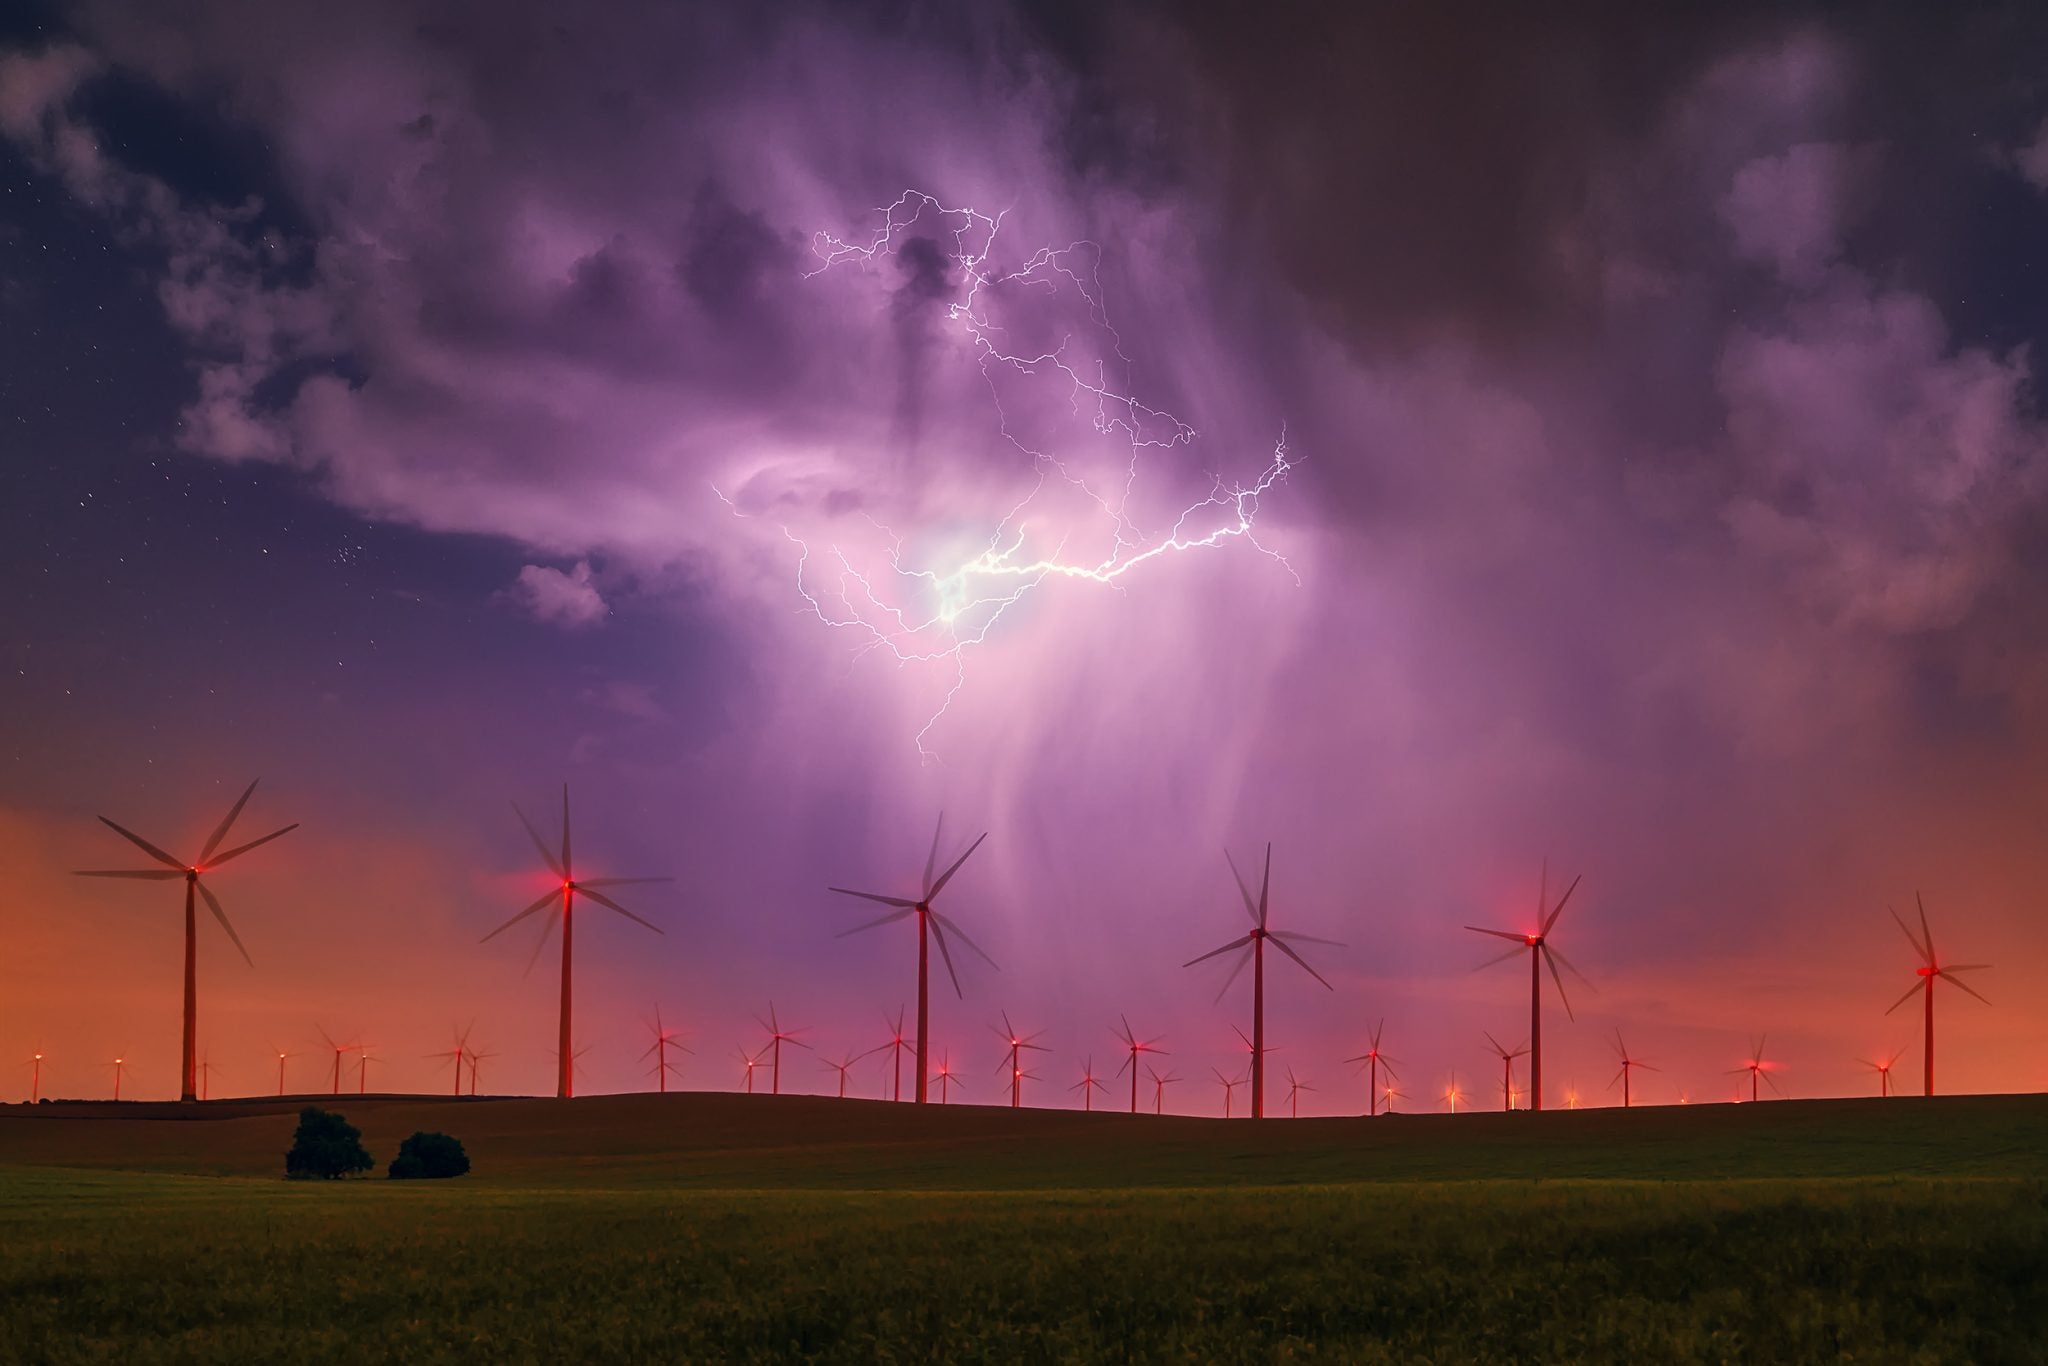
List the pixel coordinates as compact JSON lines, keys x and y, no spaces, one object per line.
{"x":1249,"y":946}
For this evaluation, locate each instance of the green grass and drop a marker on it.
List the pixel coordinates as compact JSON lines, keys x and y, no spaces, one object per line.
{"x":719,"y":1227}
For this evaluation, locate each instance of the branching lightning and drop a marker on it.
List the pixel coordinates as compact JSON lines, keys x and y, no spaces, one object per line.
{"x":927,"y":615}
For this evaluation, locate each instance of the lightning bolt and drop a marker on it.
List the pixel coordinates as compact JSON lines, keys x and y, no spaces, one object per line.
{"x":925,"y":615}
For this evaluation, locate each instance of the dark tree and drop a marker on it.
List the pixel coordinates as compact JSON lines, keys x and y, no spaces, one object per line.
{"x":325,"y":1146}
{"x":429,"y":1155}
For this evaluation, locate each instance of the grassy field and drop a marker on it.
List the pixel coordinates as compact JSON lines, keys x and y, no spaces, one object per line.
{"x":696,"y":1227}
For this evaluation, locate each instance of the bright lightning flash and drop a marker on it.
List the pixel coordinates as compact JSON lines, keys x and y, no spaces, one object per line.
{"x":939,"y":614}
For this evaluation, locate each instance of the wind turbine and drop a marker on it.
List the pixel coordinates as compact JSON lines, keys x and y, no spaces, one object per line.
{"x":1229,"y":1085}
{"x":944,"y":1076}
{"x":338,"y":1049}
{"x":1756,"y":1067}
{"x":563,"y":867}
{"x":120,"y":1065}
{"x":1017,"y":1042}
{"x":1375,"y":1060}
{"x":206,"y":1070}
{"x":1931,"y":968}
{"x":664,"y":1039}
{"x":207,"y":861}
{"x":776,"y":1037}
{"x":1134,"y":1047}
{"x":477,"y":1057}
{"x":1627,"y":1065}
{"x":898,"y":1046}
{"x":1390,"y":1094}
{"x":1541,"y":955}
{"x":35,"y":1077}
{"x":1159,"y":1085}
{"x":842,"y":1068}
{"x":750,"y":1061}
{"x":363,"y":1060}
{"x":1253,"y":943}
{"x":927,"y":920}
{"x":281,"y":1056}
{"x":1507,"y":1068}
{"x":1294,"y":1090}
{"x":1453,"y":1095}
{"x":1883,"y":1070}
{"x":1088,"y":1085}
{"x":458,"y":1053}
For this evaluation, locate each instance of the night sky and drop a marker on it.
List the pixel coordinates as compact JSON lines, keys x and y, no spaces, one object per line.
{"x":1432,"y":440}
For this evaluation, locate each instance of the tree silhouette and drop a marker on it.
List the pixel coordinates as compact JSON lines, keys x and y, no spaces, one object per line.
{"x":325,"y":1146}
{"x":426,"y":1155}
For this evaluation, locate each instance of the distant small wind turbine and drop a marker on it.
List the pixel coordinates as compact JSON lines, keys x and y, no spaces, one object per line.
{"x":207,"y":861}
{"x":281,"y":1055}
{"x":338,"y":1049}
{"x":1452,"y":1095}
{"x":897,"y":1045}
{"x":777,"y":1036}
{"x":1294,"y":1090}
{"x":928,"y":920}
{"x":1883,"y":1069}
{"x":1229,"y":1085}
{"x":1159,"y":1085}
{"x":1507,"y":1068}
{"x":1931,"y":968}
{"x":458,"y":1053}
{"x":1135,"y":1048}
{"x":1374,"y":1059}
{"x":845,"y":1065}
{"x":1013,"y":1064}
{"x":477,"y":1058}
{"x":945,"y":1078}
{"x":1088,"y":1085}
{"x":1542,"y":954}
{"x":664,"y":1039}
{"x":1628,"y":1064}
{"x":1756,"y":1067}
{"x":751,"y":1061}
{"x":206,"y":1071}
{"x":1390,"y":1094}
{"x":363,"y":1060}
{"x":1253,"y":945}
{"x":563,"y":866}
{"x":35,"y":1077}
{"x":120,"y":1066}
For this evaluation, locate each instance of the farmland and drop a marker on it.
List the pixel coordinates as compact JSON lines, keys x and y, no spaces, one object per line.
{"x":714,"y":1226}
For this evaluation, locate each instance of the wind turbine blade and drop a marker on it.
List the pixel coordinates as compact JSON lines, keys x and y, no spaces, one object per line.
{"x":875,"y":896}
{"x":242,"y":849}
{"x":1558,"y":909}
{"x":1265,"y":884}
{"x":1521,"y":939}
{"x":954,"y":926}
{"x":931,"y":860}
{"x":601,"y":899}
{"x":1544,"y":949}
{"x":1234,"y":974}
{"x":144,"y":845}
{"x":1911,"y":992}
{"x":545,"y":898}
{"x":1965,"y":967}
{"x":947,"y":876}
{"x":582,"y":883}
{"x":220,"y":831}
{"x":939,"y":937}
{"x":1771,"y":1081}
{"x":1576,"y":974}
{"x":146,"y":874}
{"x":1957,"y":981}
{"x":213,"y":904}
{"x":1250,"y":908}
{"x":547,"y":933}
{"x":547,"y":855}
{"x":1926,"y":934}
{"x":1926,"y":956}
{"x":1514,"y":952}
{"x":1304,"y":963}
{"x":1296,"y":937}
{"x":1241,"y":942}
{"x":880,"y":920}
{"x":567,"y":861}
